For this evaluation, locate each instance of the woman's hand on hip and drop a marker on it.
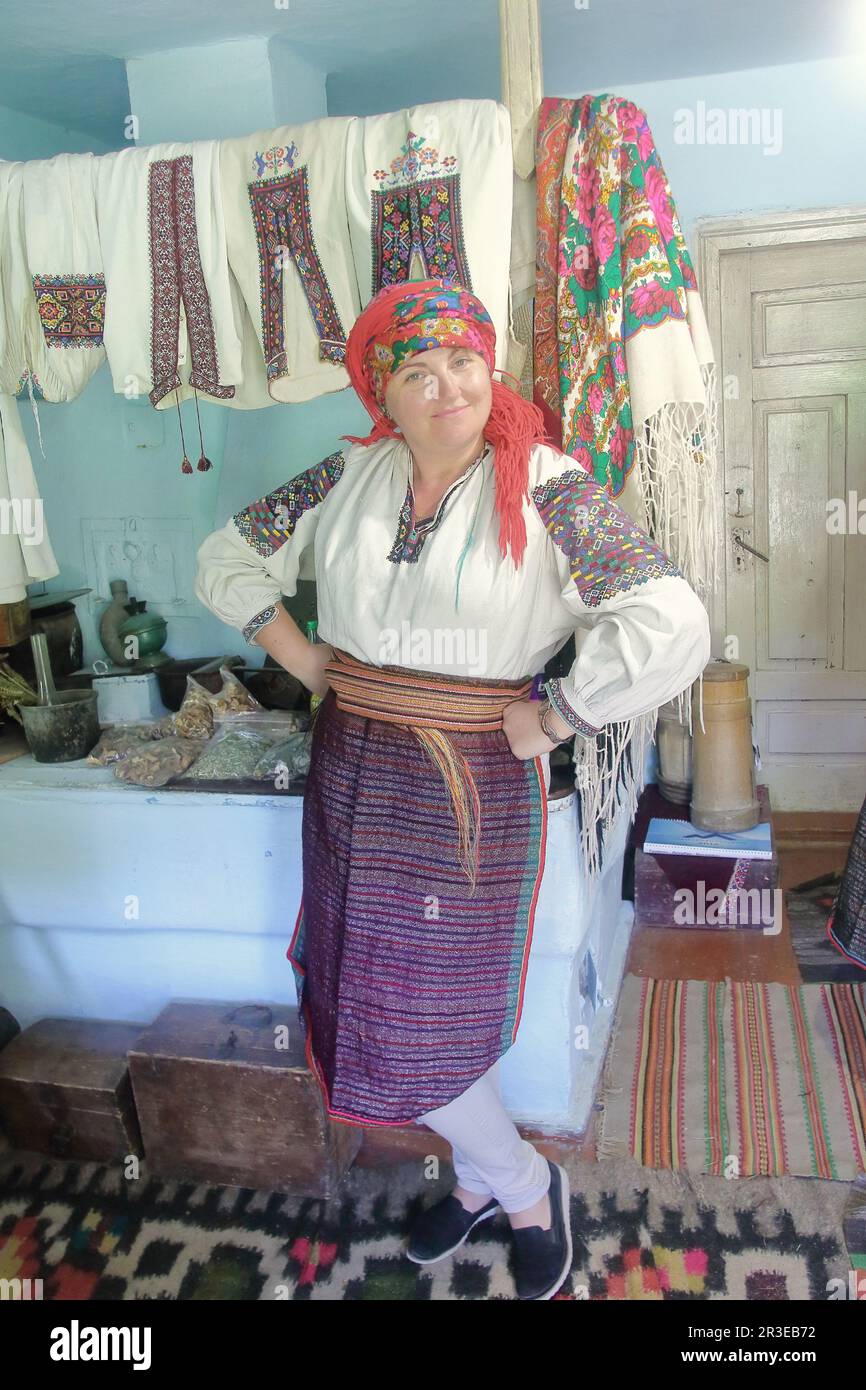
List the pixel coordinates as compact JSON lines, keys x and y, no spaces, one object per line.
{"x":521,"y":726}
{"x":313,"y":676}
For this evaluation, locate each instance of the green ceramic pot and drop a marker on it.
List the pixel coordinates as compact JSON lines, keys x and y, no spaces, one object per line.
{"x":150,"y":631}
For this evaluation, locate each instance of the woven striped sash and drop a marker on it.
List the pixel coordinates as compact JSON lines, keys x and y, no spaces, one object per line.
{"x":431,"y":706}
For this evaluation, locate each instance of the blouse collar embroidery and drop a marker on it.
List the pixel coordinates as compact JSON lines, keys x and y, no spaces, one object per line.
{"x":410,"y":537}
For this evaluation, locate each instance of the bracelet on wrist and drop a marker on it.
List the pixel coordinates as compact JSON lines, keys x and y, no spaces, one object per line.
{"x":543,"y":712}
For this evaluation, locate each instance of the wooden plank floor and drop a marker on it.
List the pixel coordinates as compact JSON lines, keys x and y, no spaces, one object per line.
{"x":808,"y":843}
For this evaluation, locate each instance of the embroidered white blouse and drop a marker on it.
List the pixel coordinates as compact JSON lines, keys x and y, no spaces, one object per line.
{"x":435,"y":594}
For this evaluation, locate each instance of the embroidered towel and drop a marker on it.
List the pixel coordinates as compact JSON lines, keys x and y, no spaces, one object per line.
{"x":284,"y":199}
{"x":17,"y":308}
{"x":429,"y":193}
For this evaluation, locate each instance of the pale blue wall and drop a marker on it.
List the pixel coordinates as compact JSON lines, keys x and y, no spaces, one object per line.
{"x":96,"y":466}
{"x":823,"y":122}
{"x":251,"y":84}
{"x":299,"y":88}
{"x":408,"y":84}
{"x":207,"y":93}
{"x":27,"y":137}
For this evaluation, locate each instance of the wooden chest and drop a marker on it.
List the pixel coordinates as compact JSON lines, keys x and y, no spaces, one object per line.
{"x":224,"y":1095}
{"x":65,"y":1090}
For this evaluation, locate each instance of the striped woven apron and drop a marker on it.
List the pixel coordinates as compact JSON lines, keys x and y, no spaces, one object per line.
{"x":423,"y":851}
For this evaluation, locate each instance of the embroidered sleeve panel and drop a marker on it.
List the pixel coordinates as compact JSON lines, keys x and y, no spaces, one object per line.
{"x":71,"y":309}
{"x":606,"y":551}
{"x":642,"y":633}
{"x":555,"y":692}
{"x":268,"y":523}
{"x":260,"y":620}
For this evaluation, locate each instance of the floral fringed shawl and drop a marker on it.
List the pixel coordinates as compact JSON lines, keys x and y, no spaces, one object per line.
{"x":624,"y":369}
{"x":624,"y":374}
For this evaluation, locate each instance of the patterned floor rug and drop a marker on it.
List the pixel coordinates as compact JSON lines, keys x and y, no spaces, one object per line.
{"x":87,"y":1233}
{"x":738,"y":1078}
{"x":809,"y":906}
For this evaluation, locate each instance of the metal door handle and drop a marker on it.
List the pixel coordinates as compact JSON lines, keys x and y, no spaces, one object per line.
{"x":738,"y":540}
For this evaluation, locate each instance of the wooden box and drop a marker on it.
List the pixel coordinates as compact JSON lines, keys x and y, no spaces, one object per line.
{"x":224,"y":1095}
{"x":659,"y":880}
{"x":65,"y":1090}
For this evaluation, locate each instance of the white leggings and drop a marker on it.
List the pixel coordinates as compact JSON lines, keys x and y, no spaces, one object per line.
{"x":488,"y":1152}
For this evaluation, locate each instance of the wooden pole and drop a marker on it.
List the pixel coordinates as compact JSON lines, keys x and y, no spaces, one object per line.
{"x":521,"y":80}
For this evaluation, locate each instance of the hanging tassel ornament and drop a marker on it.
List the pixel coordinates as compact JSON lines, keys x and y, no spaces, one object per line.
{"x":28,"y":375}
{"x":204,"y":463}
{"x":185,"y":465}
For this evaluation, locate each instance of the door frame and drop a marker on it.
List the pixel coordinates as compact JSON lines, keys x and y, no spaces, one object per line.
{"x":716,"y":237}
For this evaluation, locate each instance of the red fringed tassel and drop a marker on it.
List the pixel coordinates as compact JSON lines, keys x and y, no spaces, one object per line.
{"x":513,"y":426}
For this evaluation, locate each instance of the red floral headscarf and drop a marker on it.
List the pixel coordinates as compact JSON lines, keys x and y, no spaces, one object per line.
{"x":416,"y":315}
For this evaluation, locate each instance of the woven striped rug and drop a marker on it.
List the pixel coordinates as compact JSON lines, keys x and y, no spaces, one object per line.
{"x":738,"y":1078}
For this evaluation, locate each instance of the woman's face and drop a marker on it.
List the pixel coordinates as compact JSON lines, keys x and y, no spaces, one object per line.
{"x":440,"y":398}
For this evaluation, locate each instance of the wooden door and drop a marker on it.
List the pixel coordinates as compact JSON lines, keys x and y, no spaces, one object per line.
{"x":793,"y":388}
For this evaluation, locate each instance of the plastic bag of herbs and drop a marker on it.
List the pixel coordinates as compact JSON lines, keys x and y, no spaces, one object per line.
{"x":233,"y":698}
{"x":287,"y":759}
{"x":241,"y":741}
{"x":156,"y":761}
{"x":194,"y":719}
{"x":201,"y":708}
{"x":119,"y":740}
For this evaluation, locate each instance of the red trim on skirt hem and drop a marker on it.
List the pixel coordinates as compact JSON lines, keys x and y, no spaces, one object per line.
{"x":841,"y":949}
{"x":539,"y":771}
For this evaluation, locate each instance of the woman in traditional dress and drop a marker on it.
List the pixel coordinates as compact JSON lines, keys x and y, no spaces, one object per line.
{"x":455,"y":553}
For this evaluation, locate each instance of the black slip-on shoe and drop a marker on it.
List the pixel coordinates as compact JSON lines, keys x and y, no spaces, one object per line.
{"x":442,"y":1229}
{"x":543,"y":1258}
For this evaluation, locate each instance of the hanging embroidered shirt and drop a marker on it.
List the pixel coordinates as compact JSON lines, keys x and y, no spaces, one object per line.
{"x":429,"y":193}
{"x":18,"y":317}
{"x":65,"y":273}
{"x":284,"y":198}
{"x":25,"y":549}
{"x":173,"y":314}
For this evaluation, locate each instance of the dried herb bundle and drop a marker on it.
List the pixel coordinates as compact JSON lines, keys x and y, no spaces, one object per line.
{"x":14,"y":688}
